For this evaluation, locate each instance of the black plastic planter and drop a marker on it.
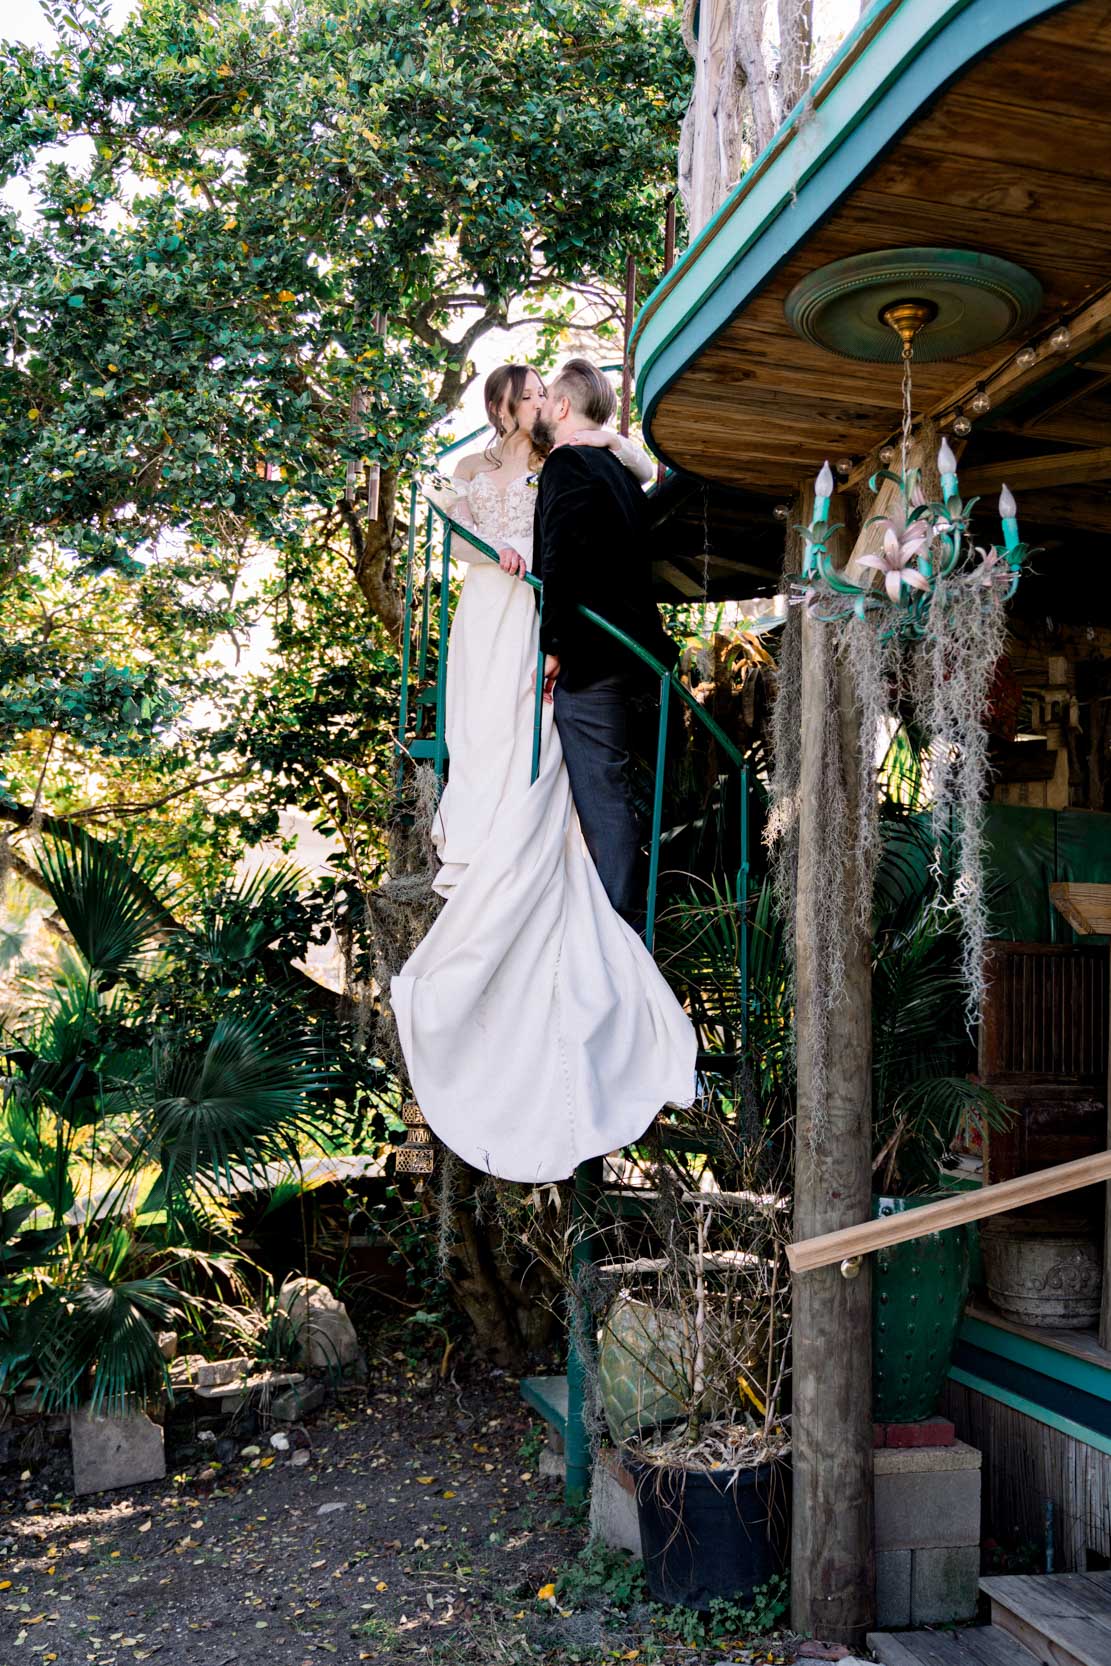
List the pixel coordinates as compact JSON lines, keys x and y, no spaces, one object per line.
{"x":711,"y":1533}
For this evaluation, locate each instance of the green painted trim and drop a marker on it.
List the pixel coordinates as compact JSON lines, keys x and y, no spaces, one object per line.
{"x":992,"y":1391}
{"x":1036,"y":1356}
{"x":832,"y":140}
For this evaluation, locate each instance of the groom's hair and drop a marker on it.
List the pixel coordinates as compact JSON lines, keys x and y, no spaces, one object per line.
{"x":587,"y":389}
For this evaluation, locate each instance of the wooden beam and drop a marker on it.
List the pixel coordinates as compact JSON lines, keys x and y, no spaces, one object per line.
{"x":1062,"y":468}
{"x":1007,"y":378}
{"x":832,"y":1541}
{"x":834,"y":1247}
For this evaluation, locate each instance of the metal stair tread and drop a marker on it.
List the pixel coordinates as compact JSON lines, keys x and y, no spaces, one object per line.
{"x":1065,"y":1617}
{"x":970,"y":1646}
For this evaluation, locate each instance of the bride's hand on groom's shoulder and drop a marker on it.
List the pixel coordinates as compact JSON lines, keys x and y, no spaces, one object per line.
{"x":511,"y":562}
{"x":603,"y":437}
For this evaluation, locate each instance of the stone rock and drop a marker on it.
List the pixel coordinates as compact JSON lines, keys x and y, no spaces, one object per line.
{"x":823,"y":1651}
{"x":300,"y":1458}
{"x":211,"y":1373}
{"x":613,"y":1504}
{"x":325,"y":1337}
{"x":330,"y":1509}
{"x":295,"y":1403}
{"x":226,"y":1450}
{"x":115,"y":1451}
{"x":280,"y":1442}
{"x":206,"y":1436}
{"x":167,"y":1345}
{"x":250,"y":1452}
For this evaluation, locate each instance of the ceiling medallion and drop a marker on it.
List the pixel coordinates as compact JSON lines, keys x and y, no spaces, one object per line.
{"x":964,"y":301}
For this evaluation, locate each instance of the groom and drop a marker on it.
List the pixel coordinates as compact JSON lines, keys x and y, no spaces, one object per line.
{"x":592,"y":549}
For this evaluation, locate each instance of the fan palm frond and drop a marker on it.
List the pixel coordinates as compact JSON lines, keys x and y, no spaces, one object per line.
{"x":246,"y":915}
{"x":236,"y":1104}
{"x":113,"y":897}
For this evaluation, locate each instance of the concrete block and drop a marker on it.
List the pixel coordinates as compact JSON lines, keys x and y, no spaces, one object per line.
{"x":553,"y":1464}
{"x":613,"y":1504}
{"x":115,"y":1451}
{"x":944,"y":1584}
{"x":926,"y":1460}
{"x":291,"y":1406}
{"x":893,"y":1573}
{"x":920,"y":1511}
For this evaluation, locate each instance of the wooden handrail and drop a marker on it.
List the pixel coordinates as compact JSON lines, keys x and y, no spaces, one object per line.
{"x":960,"y":1210}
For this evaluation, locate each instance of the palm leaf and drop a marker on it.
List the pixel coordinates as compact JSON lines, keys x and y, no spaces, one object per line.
{"x":112,"y":897}
{"x":236,"y":1104}
{"x":247,"y":915}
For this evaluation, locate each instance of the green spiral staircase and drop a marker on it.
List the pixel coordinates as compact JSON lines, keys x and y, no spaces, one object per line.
{"x":422,"y":740}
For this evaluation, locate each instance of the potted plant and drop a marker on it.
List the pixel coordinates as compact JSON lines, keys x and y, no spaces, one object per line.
{"x":692,"y":1364}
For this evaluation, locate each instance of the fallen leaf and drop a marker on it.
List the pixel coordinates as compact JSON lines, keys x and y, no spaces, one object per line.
{"x":145,"y":1526}
{"x":546,"y":1593}
{"x":446,"y":1495}
{"x":425,"y":1480}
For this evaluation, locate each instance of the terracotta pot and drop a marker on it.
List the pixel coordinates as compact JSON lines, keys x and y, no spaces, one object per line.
{"x":1045,"y":1272}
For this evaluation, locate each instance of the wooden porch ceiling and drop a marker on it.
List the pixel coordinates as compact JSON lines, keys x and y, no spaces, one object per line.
{"x":1011,"y":158}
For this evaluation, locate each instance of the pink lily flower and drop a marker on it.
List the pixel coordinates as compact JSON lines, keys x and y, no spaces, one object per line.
{"x":993,"y":569}
{"x":902,"y":545}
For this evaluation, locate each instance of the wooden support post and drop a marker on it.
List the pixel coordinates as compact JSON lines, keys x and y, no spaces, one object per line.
{"x":833,"y":1553}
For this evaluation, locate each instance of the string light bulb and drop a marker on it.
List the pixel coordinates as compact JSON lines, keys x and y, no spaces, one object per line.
{"x":962,"y":425}
{"x":844,"y":465}
{"x":1027,"y":358}
{"x":1061,"y":339}
{"x":781,"y":512}
{"x":980,"y":403}
{"x":887,"y":455}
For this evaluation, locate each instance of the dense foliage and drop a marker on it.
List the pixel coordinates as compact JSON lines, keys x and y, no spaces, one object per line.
{"x":259,"y":267}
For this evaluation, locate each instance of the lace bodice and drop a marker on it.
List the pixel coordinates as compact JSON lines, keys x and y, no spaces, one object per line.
{"x":500,"y":515}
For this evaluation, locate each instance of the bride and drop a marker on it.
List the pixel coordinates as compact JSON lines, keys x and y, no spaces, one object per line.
{"x":535,"y":1025}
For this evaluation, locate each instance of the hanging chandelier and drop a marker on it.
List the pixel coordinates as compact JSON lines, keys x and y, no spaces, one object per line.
{"x":925,"y":547}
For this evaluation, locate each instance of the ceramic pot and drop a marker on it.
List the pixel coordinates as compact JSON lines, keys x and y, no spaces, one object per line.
{"x":919,"y":1290}
{"x":642,"y":1368}
{"x":1045,"y":1272}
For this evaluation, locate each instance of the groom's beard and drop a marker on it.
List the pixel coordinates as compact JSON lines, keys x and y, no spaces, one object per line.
{"x":543,"y":436}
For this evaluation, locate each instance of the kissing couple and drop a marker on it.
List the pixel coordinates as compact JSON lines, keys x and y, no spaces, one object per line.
{"x":537,"y":1029}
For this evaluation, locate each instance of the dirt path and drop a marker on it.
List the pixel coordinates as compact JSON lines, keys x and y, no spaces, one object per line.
{"x":418,"y":1530}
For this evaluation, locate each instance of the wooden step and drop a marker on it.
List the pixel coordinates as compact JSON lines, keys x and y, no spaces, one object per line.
{"x":970,"y":1646}
{"x":1063,"y":1619}
{"x":548,"y":1396}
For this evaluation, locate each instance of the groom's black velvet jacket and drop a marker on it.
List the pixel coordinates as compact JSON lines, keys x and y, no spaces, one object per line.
{"x":592,"y":547}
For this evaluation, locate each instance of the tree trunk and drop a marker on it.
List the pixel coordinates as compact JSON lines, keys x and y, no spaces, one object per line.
{"x":796,"y":40}
{"x":833,"y":1558}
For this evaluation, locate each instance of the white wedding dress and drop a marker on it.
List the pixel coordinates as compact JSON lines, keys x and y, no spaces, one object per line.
{"x":536,"y":1026}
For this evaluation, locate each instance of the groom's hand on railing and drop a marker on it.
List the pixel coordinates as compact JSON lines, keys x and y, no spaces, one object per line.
{"x":551,"y":672}
{"x":510,"y":562}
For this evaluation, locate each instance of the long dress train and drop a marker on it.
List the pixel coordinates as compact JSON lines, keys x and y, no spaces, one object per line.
{"x":536,"y":1026}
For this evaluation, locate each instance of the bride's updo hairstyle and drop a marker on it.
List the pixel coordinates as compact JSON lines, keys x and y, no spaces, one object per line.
{"x":507,"y":379}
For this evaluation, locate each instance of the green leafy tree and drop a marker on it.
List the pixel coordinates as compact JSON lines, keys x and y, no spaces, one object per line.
{"x":257,"y":271}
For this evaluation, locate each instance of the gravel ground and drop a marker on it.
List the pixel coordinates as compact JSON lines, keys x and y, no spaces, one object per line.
{"x":418,"y":1529}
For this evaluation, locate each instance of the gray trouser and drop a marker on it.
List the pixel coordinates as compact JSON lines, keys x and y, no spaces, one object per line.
{"x":593,"y":724}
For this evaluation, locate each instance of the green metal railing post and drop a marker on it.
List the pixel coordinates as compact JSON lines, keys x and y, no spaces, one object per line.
{"x":441,"y":656}
{"x":537,"y":714}
{"x":426,"y":603}
{"x":657,"y":812}
{"x":588,"y":1183}
{"x":742,"y":904}
{"x":406,"y":637}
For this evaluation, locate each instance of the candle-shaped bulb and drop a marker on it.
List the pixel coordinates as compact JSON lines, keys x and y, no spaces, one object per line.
{"x":946,"y":462}
{"x":823,"y":486}
{"x":1008,"y":508}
